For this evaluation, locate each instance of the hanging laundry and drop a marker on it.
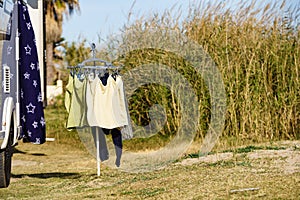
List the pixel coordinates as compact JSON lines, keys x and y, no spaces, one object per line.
{"x":31,"y":105}
{"x":115,"y":132}
{"x":91,"y":100}
{"x":97,"y":97}
{"x":92,"y":83}
{"x":75,"y":102}
{"x":117,"y":140}
{"x":103,"y":150}
{"x":68,"y":94}
{"x":106,"y":107}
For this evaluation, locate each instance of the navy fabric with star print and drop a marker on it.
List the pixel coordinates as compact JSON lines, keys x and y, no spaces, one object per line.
{"x":31,"y":102}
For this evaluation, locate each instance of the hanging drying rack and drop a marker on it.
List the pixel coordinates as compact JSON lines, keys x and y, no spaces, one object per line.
{"x":107,"y":65}
{"x":94,"y":60}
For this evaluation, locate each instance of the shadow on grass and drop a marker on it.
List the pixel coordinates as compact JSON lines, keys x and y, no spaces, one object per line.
{"x":48,"y":175}
{"x":23,"y":152}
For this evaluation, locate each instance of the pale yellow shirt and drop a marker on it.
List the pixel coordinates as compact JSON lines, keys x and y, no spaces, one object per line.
{"x":77,"y":104}
{"x":106,"y":103}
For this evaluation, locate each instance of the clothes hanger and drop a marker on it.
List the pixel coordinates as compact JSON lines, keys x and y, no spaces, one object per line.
{"x":100,"y":70}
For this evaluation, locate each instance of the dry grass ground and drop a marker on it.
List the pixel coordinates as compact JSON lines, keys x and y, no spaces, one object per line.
{"x":60,"y":171}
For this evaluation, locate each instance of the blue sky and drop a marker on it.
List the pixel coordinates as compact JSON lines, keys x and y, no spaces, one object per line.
{"x":107,"y":17}
{"x":103,"y":18}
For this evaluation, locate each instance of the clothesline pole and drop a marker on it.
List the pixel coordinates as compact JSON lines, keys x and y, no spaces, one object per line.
{"x":98,"y":154}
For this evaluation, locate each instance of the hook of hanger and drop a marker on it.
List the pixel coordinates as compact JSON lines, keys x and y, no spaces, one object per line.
{"x":93,"y":49}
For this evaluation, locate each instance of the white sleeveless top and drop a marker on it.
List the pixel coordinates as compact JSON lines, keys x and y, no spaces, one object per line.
{"x":106,"y":103}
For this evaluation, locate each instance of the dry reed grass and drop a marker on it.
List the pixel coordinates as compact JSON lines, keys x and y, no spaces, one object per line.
{"x":257,"y":52}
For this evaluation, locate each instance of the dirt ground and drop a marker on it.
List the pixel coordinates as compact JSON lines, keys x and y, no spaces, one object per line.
{"x":58,"y":171}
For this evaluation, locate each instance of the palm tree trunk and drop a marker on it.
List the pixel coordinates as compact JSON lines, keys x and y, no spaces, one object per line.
{"x":51,"y":72}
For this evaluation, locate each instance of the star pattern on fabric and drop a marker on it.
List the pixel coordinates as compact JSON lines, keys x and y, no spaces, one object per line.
{"x":23,"y":118}
{"x":34,"y":83}
{"x":28,"y":50}
{"x":35,"y":124}
{"x":30,"y":108}
{"x":32,"y":66}
{"x":42,"y":121}
{"x":27,"y":75}
{"x":22,"y":94}
{"x":37,"y":140}
{"x":29,"y":133}
{"x":28,"y":25}
{"x":40,"y":97}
